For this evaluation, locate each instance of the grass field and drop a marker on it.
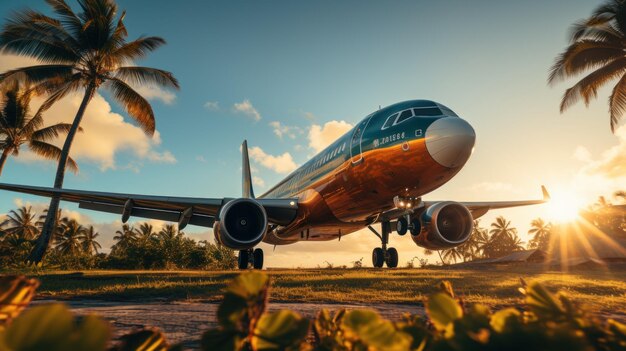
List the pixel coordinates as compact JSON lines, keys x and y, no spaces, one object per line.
{"x":498,"y":286}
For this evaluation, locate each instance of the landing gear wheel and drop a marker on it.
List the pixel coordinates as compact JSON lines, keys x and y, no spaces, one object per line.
{"x":402,"y":225}
{"x":392,"y":257}
{"x":257,"y":259}
{"x":416,"y":227}
{"x":378,"y":257}
{"x":243,"y":259}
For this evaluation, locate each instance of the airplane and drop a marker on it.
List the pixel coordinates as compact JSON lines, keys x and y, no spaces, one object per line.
{"x":375,"y":173}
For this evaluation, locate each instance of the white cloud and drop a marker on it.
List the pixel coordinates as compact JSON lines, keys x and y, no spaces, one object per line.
{"x":280,"y":164}
{"x":152,"y":92}
{"x":322,"y":136}
{"x":105,"y":133}
{"x":282,"y":130}
{"x":612,"y":162}
{"x":258,"y":181}
{"x":212,"y":105}
{"x":245,"y":107}
{"x":582,"y":154}
{"x":200,"y":158}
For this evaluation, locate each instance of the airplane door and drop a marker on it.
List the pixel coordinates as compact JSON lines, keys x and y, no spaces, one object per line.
{"x":356,"y":141}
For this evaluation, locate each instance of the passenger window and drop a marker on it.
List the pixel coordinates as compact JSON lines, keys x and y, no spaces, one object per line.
{"x":404,"y":116}
{"x":389,"y":121}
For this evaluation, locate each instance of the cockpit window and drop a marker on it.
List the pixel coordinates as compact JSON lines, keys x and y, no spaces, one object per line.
{"x":390,"y":121}
{"x":406,"y":114}
{"x":446,"y":111}
{"x":428,"y":111}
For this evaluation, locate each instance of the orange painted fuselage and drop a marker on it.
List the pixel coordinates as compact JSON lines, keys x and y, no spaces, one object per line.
{"x":349,"y":184}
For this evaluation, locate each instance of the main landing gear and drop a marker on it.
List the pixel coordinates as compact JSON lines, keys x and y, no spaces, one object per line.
{"x":249,"y":256}
{"x":383,"y":255}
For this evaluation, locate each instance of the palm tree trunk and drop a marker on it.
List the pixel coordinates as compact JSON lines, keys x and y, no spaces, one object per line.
{"x":442,"y":260}
{"x":3,"y":159}
{"x":36,"y":255}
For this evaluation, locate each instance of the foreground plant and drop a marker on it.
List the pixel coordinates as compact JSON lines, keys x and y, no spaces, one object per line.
{"x":549,"y":322}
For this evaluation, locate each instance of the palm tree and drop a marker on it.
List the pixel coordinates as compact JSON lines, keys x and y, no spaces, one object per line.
{"x":86,"y":50}
{"x":541,"y":234}
{"x":597,"y":46}
{"x":453,"y":254}
{"x":145,"y":233}
{"x":472,"y":248}
{"x":503,"y":238}
{"x":124,"y":238}
{"x":59,"y":228}
{"x":18,"y":127}
{"x":169,"y":232}
{"x":71,"y":242}
{"x":90,"y":245}
{"x":21,"y":224}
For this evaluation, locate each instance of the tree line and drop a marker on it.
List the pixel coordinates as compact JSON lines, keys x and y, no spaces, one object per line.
{"x":501,"y":238}
{"x":75,"y":246}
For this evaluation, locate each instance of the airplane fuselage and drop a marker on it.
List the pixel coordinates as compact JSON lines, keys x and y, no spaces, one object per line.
{"x":407,"y":150}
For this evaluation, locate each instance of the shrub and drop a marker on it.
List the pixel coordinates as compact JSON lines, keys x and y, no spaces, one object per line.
{"x":548,"y":322}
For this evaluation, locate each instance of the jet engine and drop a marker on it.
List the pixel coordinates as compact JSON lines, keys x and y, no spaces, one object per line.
{"x":242,"y":224}
{"x":444,"y":225}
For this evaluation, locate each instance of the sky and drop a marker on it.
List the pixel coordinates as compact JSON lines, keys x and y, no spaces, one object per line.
{"x":290,"y":76}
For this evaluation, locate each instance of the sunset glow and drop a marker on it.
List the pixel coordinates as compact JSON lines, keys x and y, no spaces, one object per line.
{"x":563,"y":207}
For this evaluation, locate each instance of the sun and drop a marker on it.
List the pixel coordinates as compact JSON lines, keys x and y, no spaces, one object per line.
{"x":563,"y":207}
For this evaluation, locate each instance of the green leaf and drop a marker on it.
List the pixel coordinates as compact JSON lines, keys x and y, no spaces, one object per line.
{"x":443,"y":310}
{"x":148,"y":339}
{"x":16,"y":292}
{"x":502,"y":318}
{"x":231,"y":311}
{"x":52,"y":327}
{"x":280,"y":330}
{"x":367,"y":327}
{"x":249,"y":285}
{"x":543,"y":303}
{"x":222,"y":340}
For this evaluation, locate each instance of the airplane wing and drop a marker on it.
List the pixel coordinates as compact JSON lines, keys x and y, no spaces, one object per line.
{"x":477,"y":209}
{"x":480,"y":208}
{"x":184,"y":210}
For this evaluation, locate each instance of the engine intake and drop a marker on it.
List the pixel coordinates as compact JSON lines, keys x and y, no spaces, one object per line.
{"x":242,"y":224}
{"x":445,"y":225}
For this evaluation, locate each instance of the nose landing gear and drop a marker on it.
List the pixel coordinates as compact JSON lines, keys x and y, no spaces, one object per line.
{"x":249,"y":256}
{"x":383,"y":255}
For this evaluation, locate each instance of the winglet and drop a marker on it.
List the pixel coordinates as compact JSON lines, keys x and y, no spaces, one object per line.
{"x":546,"y":195}
{"x":246,"y":180}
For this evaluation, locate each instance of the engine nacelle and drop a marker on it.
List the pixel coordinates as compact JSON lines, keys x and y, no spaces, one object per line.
{"x":242,"y":224}
{"x":445,"y":225}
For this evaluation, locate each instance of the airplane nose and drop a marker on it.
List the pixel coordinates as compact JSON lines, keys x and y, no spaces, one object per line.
{"x":449,"y":141}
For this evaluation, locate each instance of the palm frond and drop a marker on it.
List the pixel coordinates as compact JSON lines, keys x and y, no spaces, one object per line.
{"x":581,"y":56}
{"x":51,"y":152}
{"x":595,"y":29}
{"x":68,"y":17}
{"x":617,"y":102}
{"x":31,"y":126}
{"x":587,"y":88}
{"x":137,"y":48}
{"x":52,"y":131}
{"x":136,"y":106}
{"x":37,"y":74}
{"x":58,"y":89}
{"x":34,"y":34}
{"x":136,"y":75}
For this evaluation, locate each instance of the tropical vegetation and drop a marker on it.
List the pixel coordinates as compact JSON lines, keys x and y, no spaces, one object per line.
{"x":544,"y":321}
{"x":596,"y":48}
{"x":77,"y":246}
{"x":18,"y":127}
{"x":81,"y":52}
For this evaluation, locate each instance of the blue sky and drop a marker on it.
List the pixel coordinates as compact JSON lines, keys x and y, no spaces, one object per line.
{"x":305,"y":64}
